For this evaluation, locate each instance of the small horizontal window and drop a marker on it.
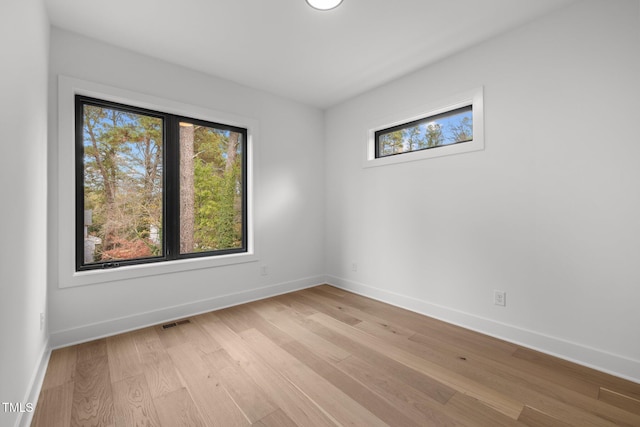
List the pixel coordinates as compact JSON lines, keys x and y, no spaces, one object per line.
{"x":452,"y":127}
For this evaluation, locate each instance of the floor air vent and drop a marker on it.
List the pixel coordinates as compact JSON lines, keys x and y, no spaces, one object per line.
{"x":172,"y":324}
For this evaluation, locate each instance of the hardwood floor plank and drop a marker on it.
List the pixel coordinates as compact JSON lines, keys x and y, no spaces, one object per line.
{"x":620,"y":400}
{"x":560,"y":366}
{"x":491,"y":397}
{"x":61,"y":368}
{"x":249,"y":319}
{"x":428,"y":414}
{"x":159,"y":370}
{"x":91,"y":350}
{"x":534,"y":418}
{"x":283,"y":320}
{"x":437,"y":340}
{"x":92,"y":396}
{"x":326,"y":309}
{"x":325,"y":395}
{"x":211,"y":398}
{"x":476,"y":413}
{"x":283,"y":393}
{"x":474,"y":341}
{"x":419,"y":407}
{"x":427,"y":385}
{"x":133,"y":403}
{"x":520,"y":385}
{"x":343,"y":306}
{"x":358,"y":391}
{"x":421,"y":324}
{"x":252,"y":401}
{"x":177,"y":409}
{"x":276,"y":419}
{"x":147,"y":340}
{"x":54,"y":406}
{"x":334,"y":291}
{"x":124,"y":359}
{"x":240,"y":318}
{"x":291,"y":302}
{"x":160,"y":373}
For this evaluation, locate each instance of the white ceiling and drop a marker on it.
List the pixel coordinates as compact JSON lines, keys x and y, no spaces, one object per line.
{"x":287,"y":48}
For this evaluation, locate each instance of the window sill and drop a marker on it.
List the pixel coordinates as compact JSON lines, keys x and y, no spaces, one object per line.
{"x":92,"y":277}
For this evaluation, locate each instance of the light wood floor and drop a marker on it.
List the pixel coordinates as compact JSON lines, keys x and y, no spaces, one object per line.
{"x":323,"y":357}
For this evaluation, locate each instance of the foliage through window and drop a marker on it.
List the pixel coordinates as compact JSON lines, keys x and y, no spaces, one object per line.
{"x":451,"y":127}
{"x":152,"y":186}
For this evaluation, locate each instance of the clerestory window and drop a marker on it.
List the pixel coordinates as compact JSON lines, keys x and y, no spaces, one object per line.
{"x":450,"y":126}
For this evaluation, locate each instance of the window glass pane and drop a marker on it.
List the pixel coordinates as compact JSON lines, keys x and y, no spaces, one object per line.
{"x":211,"y":199}
{"x":443,"y":129}
{"x":122,"y":172}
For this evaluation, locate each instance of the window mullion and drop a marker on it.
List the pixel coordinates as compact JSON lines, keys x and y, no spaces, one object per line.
{"x":172,"y":196}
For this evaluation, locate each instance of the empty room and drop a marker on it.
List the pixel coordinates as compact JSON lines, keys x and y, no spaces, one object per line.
{"x":320,"y":213}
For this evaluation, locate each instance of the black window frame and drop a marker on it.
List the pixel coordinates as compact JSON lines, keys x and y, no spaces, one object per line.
{"x":413,"y":123}
{"x":170,"y":180}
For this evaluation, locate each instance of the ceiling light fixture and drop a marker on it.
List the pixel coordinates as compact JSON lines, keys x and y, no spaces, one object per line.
{"x":324,"y":4}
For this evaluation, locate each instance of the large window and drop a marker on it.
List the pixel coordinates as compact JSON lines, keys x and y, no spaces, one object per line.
{"x":153,"y":186}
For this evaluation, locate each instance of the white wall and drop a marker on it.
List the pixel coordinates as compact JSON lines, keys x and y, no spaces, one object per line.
{"x":289,"y":197}
{"x":549,"y":212}
{"x":24,"y":43}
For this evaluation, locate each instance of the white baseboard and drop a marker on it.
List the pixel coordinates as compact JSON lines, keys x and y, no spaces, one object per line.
{"x":67,"y":337}
{"x":35,"y":385}
{"x":617,"y":365}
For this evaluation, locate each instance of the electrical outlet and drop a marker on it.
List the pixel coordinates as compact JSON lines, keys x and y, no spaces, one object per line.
{"x":263,"y":270}
{"x":500,"y":298}
{"x":354,"y":266}
{"x":41,"y":321}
